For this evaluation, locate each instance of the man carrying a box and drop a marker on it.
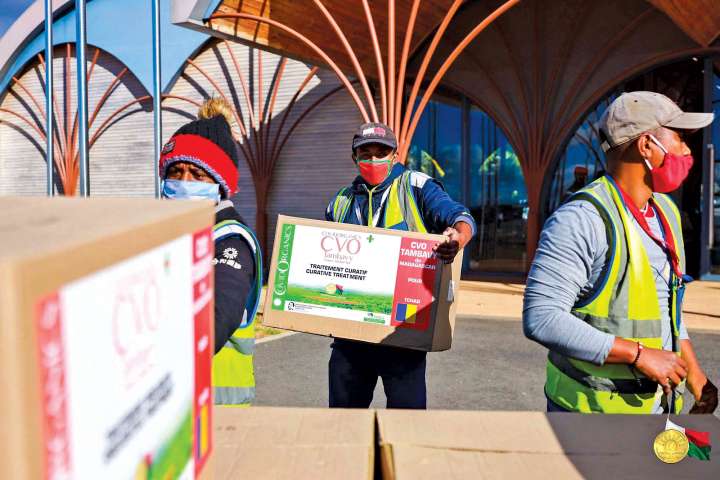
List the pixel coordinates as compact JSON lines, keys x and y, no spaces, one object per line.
{"x":200,"y":162}
{"x":388,"y":195}
{"x":605,"y":290}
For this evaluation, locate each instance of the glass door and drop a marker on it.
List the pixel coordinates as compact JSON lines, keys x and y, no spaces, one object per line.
{"x":715,"y":222}
{"x":497,"y":200}
{"x":713,"y":219}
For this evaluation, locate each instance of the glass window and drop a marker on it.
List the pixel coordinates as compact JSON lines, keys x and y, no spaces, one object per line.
{"x":583,"y":160}
{"x":715,"y":222}
{"x":437,"y":146}
{"x":418,"y":153}
{"x":498,"y":199}
{"x":447,"y":160}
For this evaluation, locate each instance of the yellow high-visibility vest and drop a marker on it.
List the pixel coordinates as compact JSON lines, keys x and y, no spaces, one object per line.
{"x":401,"y":211}
{"x":625,"y":305}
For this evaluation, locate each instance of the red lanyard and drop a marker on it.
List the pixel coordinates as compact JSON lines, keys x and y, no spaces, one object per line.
{"x":667,"y":245}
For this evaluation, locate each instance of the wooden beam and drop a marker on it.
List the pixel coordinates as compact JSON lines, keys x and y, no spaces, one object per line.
{"x":304,"y":17}
{"x":699,"y":19}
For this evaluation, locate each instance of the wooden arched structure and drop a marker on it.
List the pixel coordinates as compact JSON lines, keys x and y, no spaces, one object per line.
{"x":535,"y":66}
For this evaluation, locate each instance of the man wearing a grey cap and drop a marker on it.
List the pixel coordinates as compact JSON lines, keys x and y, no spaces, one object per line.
{"x":388,"y":195}
{"x":604,"y":293}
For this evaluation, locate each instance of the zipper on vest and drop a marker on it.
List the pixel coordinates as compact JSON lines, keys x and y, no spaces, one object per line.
{"x":370,"y":206}
{"x":373,"y":216}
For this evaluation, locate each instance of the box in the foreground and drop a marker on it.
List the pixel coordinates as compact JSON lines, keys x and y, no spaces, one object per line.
{"x":106,"y":338}
{"x":360,"y":283}
{"x":455,"y":445}
{"x":294,"y":443}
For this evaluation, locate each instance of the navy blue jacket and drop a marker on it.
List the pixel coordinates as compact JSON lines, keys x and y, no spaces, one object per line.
{"x":437,"y":209}
{"x":234,"y":281}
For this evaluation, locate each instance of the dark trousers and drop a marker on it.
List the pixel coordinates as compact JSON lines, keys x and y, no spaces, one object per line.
{"x":355,"y":367}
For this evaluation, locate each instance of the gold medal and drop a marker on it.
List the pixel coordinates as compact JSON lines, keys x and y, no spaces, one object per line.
{"x":671,"y":446}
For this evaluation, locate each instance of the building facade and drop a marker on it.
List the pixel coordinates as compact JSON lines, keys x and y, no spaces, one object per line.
{"x":511,"y":164}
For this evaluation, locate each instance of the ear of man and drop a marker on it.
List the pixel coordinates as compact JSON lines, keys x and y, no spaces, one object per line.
{"x":633,"y":151}
{"x":643,"y":146}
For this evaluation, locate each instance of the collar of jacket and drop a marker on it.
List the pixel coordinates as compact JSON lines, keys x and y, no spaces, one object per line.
{"x":223,"y":204}
{"x":225,"y":210}
{"x":359,"y":185}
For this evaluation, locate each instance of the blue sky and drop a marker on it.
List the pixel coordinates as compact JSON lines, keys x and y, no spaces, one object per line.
{"x":10,"y":10}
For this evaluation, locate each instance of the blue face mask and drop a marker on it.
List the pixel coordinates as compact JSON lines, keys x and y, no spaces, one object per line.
{"x":180,"y":190}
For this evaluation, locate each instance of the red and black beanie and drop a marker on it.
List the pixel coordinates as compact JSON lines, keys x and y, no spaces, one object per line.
{"x":208,"y":144}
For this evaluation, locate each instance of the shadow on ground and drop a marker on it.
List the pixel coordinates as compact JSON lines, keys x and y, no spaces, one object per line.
{"x":491,"y":366}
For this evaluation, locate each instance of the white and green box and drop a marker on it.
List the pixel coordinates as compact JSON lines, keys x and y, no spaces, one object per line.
{"x":106,"y":338}
{"x":361,"y":283}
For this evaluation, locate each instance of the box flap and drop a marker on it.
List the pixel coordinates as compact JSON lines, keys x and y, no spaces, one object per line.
{"x":325,"y":462}
{"x":501,"y":444}
{"x":418,"y":463}
{"x":459,"y":430}
{"x":279,"y":443}
{"x":37,"y":226}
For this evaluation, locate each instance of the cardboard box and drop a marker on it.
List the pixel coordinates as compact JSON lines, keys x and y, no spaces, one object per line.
{"x":369,"y":284}
{"x":501,"y":445}
{"x":294,"y":443}
{"x":106,"y":338}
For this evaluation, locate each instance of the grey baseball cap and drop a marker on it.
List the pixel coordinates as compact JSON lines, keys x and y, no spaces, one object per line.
{"x":634,"y":113}
{"x":374,"y":132}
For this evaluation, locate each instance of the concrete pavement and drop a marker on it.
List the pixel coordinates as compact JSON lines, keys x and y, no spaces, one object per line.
{"x":701,"y":309}
{"x":491,"y":366}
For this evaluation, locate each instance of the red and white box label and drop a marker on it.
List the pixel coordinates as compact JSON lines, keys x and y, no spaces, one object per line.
{"x":414,"y":284}
{"x":123,"y":376}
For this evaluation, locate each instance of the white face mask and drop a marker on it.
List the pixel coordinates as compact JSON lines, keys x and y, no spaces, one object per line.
{"x":181,"y":190}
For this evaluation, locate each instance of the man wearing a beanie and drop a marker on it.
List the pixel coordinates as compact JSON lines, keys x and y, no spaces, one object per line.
{"x":200,"y":162}
{"x":388,"y":195}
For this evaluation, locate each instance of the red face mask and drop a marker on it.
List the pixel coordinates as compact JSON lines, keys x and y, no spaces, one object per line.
{"x":374,"y":171}
{"x":672,"y":173}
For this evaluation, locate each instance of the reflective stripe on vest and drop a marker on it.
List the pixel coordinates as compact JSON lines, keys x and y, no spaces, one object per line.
{"x":238,"y":396}
{"x":678,"y":291}
{"x":230,"y":228}
{"x":242,"y":345}
{"x":621,"y":305}
{"x":401,"y":210}
{"x":341,"y":204}
{"x":233,"y":377}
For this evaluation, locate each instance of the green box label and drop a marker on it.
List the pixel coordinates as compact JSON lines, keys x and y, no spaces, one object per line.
{"x":282,"y":269}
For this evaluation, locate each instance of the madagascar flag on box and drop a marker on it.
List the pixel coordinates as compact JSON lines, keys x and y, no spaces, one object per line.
{"x":699,"y":441}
